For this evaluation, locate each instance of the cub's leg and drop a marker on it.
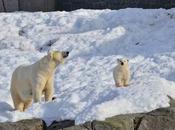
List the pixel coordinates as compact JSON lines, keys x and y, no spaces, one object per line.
{"x":126,"y":82}
{"x":119,"y":83}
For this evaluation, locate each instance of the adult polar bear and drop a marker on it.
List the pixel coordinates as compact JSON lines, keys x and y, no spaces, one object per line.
{"x":30,"y":82}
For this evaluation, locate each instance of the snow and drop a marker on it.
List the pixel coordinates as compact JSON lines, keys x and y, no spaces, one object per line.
{"x":84,"y":84}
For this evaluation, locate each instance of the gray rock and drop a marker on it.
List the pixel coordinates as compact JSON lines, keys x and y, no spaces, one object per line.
{"x":172,"y":101}
{"x":85,"y":126}
{"x":32,"y":124}
{"x":160,"y":119}
{"x":57,"y":125}
{"x":75,"y":128}
{"x":120,"y":122}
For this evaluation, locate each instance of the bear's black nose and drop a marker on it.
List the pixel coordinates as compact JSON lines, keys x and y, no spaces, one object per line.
{"x":53,"y":98}
{"x":122,"y":63}
{"x":65,"y":54}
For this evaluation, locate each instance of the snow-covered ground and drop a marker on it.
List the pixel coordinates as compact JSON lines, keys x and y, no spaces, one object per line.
{"x":84,"y":85}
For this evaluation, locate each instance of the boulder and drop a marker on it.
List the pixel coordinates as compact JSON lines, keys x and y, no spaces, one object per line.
{"x":171,"y":101}
{"x":75,"y":128}
{"x":56,"y":125}
{"x":30,"y":124}
{"x":120,"y":122}
{"x":160,"y":119}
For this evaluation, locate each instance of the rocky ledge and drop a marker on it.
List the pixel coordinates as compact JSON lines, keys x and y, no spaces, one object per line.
{"x":159,"y":119}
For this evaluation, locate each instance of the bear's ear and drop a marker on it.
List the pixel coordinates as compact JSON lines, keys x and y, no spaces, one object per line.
{"x":118,"y":60}
{"x":50,"y":55}
{"x":127,"y":60}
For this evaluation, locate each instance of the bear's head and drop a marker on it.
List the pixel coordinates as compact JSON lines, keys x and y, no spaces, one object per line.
{"x":122,"y":62}
{"x":58,"y":56}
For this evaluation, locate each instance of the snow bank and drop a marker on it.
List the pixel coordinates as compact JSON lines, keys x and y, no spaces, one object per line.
{"x":84,"y":85}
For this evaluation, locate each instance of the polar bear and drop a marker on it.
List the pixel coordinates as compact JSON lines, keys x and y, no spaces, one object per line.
{"x":29,"y":82}
{"x":121,"y":73}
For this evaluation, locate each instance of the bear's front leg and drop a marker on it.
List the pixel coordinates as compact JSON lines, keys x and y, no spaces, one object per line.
{"x":49,"y":89}
{"x":118,"y":84}
{"x":37,"y":91}
{"x":126,"y":82}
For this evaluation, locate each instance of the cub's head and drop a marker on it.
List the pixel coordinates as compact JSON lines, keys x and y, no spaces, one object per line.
{"x":58,"y":56}
{"x":122,"y":62}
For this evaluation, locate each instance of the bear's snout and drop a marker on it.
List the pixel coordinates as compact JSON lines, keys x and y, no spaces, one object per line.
{"x":65,"y":54}
{"x":122,"y":63}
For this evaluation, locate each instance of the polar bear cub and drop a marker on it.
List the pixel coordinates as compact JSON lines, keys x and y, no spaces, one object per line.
{"x":30,"y":82}
{"x":121,"y":73}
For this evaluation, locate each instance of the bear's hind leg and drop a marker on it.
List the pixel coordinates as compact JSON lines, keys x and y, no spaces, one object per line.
{"x":18,"y":103}
{"x":27,"y":104}
{"x":20,"y":106}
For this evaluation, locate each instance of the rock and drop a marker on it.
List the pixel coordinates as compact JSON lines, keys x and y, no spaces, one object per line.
{"x":56,"y":125}
{"x":75,"y":128}
{"x":30,"y":124}
{"x":160,"y":119}
{"x":102,"y":125}
{"x":85,"y":126}
{"x":120,"y":122}
{"x":172,"y":101}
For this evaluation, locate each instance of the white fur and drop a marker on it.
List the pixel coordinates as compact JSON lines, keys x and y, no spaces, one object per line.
{"x":121,"y":73}
{"x":30,"y":82}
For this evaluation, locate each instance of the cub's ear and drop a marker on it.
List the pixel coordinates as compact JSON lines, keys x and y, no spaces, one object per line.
{"x":127,"y":60}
